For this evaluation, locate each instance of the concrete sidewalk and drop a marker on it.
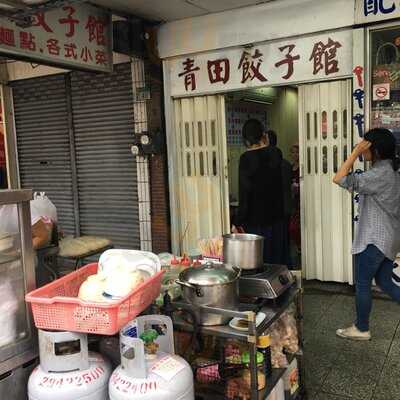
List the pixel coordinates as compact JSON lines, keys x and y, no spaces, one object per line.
{"x":338,"y":369}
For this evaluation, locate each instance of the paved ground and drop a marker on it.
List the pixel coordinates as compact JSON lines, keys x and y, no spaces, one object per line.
{"x":337,"y":369}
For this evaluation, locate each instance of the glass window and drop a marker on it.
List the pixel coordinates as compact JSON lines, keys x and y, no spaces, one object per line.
{"x":324,"y":124}
{"x":316,"y":159}
{"x":188,"y":165}
{"x":187,"y":134}
{"x":315,"y":125}
{"x":201,"y":159}
{"x":213,"y":134}
{"x":335,"y":159}
{"x":214,"y":163}
{"x":200,"y":132}
{"x":13,"y":316}
{"x":385,"y":80}
{"x":335,"y":124}
{"x":325,"y":160}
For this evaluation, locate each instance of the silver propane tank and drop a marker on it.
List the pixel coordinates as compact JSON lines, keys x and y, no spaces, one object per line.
{"x":149,"y":368}
{"x":67,"y":370}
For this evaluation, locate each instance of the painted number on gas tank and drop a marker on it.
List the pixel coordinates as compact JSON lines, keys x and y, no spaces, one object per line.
{"x":75,"y":380}
{"x":126,"y":386}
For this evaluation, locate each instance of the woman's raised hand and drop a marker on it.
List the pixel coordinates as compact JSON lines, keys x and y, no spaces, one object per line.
{"x":363,"y":146}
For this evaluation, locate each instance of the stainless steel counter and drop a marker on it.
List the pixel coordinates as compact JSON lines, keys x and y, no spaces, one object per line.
{"x":17,"y":277}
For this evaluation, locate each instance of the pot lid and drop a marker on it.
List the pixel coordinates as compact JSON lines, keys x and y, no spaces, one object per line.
{"x":209,"y":274}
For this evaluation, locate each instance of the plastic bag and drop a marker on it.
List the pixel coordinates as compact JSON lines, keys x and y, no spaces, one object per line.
{"x":284,"y":337}
{"x":42,"y":207}
{"x":132,"y":260}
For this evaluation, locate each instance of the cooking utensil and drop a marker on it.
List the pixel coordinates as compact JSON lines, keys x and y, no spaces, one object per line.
{"x":244,"y":250}
{"x":213,"y":285}
{"x":270,"y":284}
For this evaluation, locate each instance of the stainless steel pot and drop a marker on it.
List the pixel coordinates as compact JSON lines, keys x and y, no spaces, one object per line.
{"x":244,"y":250}
{"x":215,"y":285}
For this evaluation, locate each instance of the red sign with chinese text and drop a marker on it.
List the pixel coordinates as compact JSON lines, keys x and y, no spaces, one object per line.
{"x":312,"y":58}
{"x":73,"y":36}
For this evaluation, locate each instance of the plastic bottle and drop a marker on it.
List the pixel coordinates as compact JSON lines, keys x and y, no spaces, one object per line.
{"x":185,"y":262}
{"x":174,"y":262}
{"x":264,"y":347}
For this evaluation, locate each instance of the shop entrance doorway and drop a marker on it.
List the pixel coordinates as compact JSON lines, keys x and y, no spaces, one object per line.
{"x":325,"y":140}
{"x":208,"y":145}
{"x":277,"y":110}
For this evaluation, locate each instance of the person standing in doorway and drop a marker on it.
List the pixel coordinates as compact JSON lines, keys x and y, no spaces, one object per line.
{"x":287,"y":198}
{"x":377,"y":239}
{"x":261,"y":208}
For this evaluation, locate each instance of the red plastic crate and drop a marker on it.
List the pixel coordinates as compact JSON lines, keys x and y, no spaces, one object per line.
{"x":56,"y":305}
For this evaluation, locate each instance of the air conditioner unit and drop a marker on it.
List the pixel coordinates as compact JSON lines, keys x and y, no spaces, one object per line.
{"x":128,"y":37}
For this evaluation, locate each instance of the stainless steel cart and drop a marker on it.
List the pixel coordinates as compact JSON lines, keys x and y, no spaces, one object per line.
{"x":273,"y":312}
{"x":18,"y":352}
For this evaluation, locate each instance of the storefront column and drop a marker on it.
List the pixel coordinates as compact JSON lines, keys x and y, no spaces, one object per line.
{"x":160,"y":224}
{"x":140,"y":122}
{"x":172,"y":160}
{"x":9,"y":130}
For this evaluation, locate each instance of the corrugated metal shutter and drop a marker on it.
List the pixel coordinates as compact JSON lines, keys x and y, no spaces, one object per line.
{"x":41,"y":119}
{"x":106,"y":170}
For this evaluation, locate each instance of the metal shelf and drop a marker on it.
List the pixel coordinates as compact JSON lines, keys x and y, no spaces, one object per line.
{"x":217,"y":390}
{"x":272,"y":311}
{"x":8,"y":258}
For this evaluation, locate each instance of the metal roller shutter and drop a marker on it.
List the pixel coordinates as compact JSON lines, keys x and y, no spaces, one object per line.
{"x":41,"y":118}
{"x":106,"y":170}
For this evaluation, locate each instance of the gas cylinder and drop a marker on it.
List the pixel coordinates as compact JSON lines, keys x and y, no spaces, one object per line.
{"x":149,"y":368}
{"x":67,"y":370}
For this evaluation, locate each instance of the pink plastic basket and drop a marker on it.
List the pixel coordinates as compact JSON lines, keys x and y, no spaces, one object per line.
{"x":56,"y":305}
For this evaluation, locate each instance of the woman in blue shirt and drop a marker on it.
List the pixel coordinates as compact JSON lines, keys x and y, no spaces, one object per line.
{"x":377,"y":237}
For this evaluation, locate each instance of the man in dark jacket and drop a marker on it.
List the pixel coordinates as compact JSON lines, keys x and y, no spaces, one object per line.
{"x":261,"y":205}
{"x":287,"y":195}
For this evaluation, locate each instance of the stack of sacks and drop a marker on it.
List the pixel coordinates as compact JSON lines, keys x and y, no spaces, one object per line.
{"x":284,"y":337}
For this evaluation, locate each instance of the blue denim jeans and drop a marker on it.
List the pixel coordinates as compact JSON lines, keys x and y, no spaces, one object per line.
{"x":370,"y":264}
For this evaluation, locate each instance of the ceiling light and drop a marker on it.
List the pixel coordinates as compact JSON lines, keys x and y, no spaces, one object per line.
{"x":258,"y":101}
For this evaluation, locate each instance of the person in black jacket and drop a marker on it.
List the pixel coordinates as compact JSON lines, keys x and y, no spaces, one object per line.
{"x":261,"y":205}
{"x":287,"y":197}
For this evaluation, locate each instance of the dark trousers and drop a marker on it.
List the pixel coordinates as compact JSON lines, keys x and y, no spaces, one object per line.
{"x":276,"y":243}
{"x":370,"y":264}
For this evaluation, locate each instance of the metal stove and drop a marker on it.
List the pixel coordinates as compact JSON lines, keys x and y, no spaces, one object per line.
{"x":267,"y":283}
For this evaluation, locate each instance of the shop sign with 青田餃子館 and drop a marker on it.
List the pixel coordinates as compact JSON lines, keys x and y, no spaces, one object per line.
{"x":289,"y":61}
{"x":376,"y":10}
{"x":72,"y":36}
